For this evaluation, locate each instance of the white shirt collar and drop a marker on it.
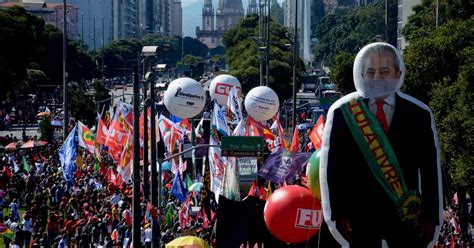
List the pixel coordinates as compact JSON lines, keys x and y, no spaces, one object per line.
{"x":389,"y":100}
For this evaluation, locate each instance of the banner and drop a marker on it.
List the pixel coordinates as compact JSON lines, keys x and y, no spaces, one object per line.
{"x":125,"y":162}
{"x":67,"y":156}
{"x":231,"y":180}
{"x":217,"y":165}
{"x":282,"y":166}
{"x":85,"y":137}
{"x":247,"y":169}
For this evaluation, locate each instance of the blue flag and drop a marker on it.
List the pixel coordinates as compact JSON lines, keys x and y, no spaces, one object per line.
{"x":67,"y":156}
{"x":178,"y":189}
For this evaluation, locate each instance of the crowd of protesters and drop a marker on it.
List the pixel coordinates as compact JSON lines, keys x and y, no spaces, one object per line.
{"x":42,"y":210}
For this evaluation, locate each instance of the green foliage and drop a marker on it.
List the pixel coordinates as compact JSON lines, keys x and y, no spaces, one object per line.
{"x":341,"y":73}
{"x":437,"y":56}
{"x":317,"y":13}
{"x":46,"y":129}
{"x":242,"y":56}
{"x":20,"y":34}
{"x":119,"y":55}
{"x":277,"y":13}
{"x":196,"y":64}
{"x":452,"y":103}
{"x":100,"y":93}
{"x":348,"y":32}
{"x":81,"y":104}
{"x":32,"y":54}
{"x":440,"y":71}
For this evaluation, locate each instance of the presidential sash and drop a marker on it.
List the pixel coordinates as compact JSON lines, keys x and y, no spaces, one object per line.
{"x":381,"y":159}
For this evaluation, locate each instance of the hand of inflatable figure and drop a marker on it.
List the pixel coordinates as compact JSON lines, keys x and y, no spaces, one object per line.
{"x":427,"y":233}
{"x":345,"y":227}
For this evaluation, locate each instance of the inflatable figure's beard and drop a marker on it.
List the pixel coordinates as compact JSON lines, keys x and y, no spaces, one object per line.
{"x":379,"y":88}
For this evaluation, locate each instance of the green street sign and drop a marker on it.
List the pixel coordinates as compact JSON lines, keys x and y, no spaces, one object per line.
{"x":242,"y":146}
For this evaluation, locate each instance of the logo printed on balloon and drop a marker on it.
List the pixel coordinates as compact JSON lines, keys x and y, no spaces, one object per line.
{"x":309,"y":218}
{"x":224,"y":89}
{"x":221,"y":86}
{"x":262,"y":103}
{"x":184,"y":98}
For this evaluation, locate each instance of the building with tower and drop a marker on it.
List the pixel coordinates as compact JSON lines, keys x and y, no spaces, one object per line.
{"x":215,"y":24}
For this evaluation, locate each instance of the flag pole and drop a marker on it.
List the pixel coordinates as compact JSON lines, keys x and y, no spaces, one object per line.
{"x":136,"y":163}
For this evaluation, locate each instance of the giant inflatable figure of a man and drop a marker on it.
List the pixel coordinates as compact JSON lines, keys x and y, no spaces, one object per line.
{"x":380,"y":165}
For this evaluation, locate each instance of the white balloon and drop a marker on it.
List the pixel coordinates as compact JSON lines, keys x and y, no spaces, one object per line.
{"x":262,"y":103}
{"x":184,"y":98}
{"x":220,"y":87}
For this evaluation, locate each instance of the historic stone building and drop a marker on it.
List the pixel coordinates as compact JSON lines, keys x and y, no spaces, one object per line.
{"x":215,"y":24}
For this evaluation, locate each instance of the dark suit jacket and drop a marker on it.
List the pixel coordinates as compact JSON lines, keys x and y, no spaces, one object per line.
{"x":356,"y":195}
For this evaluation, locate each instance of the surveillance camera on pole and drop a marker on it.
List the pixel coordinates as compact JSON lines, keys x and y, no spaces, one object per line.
{"x":148,"y":51}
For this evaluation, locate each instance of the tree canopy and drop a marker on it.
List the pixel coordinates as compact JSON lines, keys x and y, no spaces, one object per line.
{"x":440,"y":71}
{"x":348,"y":32}
{"x":243,"y":59}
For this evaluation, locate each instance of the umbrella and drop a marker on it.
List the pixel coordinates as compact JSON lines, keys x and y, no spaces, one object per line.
{"x":41,"y":114}
{"x":11,"y":146}
{"x":187,"y":242}
{"x":33,"y":143}
{"x":166,"y":166}
{"x":195,"y":187}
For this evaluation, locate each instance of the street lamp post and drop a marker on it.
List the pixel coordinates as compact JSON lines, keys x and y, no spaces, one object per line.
{"x":295,"y":56}
{"x":136,"y":163}
{"x":65,"y":89}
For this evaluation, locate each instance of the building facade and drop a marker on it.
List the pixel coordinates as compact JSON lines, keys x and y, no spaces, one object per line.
{"x":125,"y":19}
{"x":51,"y":13}
{"x":405,"y":9}
{"x":176,"y":19}
{"x":303,"y":25}
{"x":215,"y":24}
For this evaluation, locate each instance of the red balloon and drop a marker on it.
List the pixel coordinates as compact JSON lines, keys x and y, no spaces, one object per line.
{"x":292,"y":214}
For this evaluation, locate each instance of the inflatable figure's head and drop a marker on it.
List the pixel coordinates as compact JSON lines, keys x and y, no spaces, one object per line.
{"x":378,"y":70}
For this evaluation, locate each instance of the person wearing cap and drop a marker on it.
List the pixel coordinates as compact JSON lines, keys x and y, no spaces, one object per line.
{"x":380,"y":167}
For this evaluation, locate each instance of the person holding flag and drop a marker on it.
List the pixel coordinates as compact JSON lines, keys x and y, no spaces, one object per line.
{"x":380,"y":166}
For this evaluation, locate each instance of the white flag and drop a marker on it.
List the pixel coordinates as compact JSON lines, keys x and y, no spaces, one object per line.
{"x":218,"y":120}
{"x":217,"y":165}
{"x":235,"y":104}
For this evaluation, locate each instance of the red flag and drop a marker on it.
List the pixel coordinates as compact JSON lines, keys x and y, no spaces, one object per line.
{"x":295,"y":143}
{"x":257,"y":191}
{"x":253,"y":128}
{"x":316,"y":134}
{"x":7,"y":171}
{"x":184,"y":123}
{"x":102,"y":131}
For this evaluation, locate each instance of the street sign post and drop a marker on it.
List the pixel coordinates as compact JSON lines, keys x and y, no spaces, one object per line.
{"x":242,"y":146}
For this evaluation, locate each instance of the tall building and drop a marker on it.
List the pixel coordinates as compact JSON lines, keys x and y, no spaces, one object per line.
{"x":125,"y":19}
{"x":405,"y":9}
{"x":214,"y":25}
{"x":253,"y":7}
{"x":303,"y":25}
{"x":176,"y":19}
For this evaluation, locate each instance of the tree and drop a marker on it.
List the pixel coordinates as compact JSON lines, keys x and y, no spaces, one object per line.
{"x":348,"y":32}
{"x":242,"y":56}
{"x":46,"y":129}
{"x":100,"y":93}
{"x":82,"y":105}
{"x":20,"y":34}
{"x":440,"y":68}
{"x":276,"y":12}
{"x":196,"y":64}
{"x":341,"y":73}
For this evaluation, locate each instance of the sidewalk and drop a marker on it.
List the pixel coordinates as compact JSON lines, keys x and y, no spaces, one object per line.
{"x":17,"y":131}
